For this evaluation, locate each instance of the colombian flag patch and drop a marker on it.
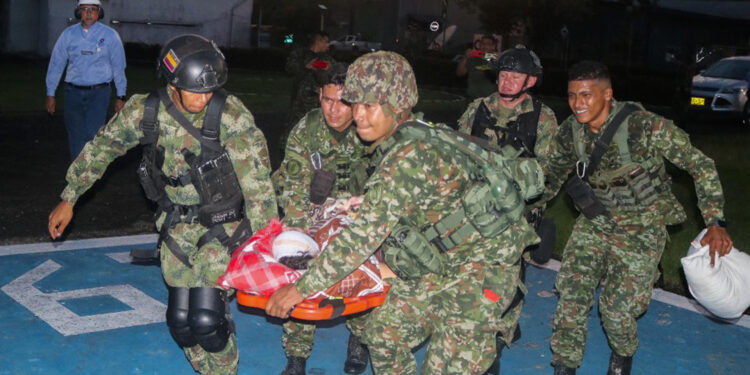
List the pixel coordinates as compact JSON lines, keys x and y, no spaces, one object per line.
{"x":171,"y":61}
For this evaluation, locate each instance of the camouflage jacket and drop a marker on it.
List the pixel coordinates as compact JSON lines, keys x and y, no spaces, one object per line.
{"x":413,"y":181}
{"x":305,"y":84}
{"x":649,"y":136}
{"x":545,"y":132}
{"x":243,"y":141}
{"x":342,"y":153}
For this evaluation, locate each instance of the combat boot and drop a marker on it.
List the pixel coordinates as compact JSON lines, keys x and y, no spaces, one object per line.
{"x":295,"y":366}
{"x":357,"y":356}
{"x":619,"y":365}
{"x":500,"y":345}
{"x":516,"y":334}
{"x":561,"y":369}
{"x":495,"y":368}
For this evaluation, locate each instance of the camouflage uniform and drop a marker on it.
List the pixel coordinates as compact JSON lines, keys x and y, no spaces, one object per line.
{"x":621,"y":252}
{"x":246,"y":147}
{"x":412,"y":180}
{"x":545,"y":134}
{"x":340,"y":152}
{"x":305,"y":85}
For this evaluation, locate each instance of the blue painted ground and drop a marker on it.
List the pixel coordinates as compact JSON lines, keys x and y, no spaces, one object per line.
{"x":86,"y":312}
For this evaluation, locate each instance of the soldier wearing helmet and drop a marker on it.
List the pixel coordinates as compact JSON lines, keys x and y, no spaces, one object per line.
{"x":437,"y":291}
{"x":324,"y":158}
{"x":206,"y":166}
{"x":512,"y":116}
{"x":95,"y":58}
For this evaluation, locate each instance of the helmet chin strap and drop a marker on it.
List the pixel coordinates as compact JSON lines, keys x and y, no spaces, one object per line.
{"x":520,"y":92}
{"x":182,"y":104}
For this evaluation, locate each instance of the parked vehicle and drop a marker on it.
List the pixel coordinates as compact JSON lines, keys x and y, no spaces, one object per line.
{"x":354,"y":43}
{"x":723,"y":88}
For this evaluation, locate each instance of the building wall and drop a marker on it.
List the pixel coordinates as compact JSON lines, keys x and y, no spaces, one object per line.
{"x":22,"y":25}
{"x":34,"y":25}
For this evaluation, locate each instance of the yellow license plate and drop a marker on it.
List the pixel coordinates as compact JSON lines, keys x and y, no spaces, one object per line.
{"x":697,"y":101}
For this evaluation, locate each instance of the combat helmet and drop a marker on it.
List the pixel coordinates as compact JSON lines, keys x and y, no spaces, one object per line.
{"x":193,"y":63}
{"x":381,"y":77}
{"x":518,"y":59}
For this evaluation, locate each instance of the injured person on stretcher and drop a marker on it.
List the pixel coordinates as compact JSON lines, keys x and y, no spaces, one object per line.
{"x":276,"y":256}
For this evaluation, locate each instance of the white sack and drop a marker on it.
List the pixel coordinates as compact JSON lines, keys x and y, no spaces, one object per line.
{"x":724,"y":290}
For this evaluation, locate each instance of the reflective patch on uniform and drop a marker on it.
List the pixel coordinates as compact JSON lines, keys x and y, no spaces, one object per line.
{"x":293,"y":167}
{"x":171,"y":61}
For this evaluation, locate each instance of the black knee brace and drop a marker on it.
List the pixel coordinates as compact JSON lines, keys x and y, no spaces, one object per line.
{"x":207,"y":317}
{"x":177,"y":317}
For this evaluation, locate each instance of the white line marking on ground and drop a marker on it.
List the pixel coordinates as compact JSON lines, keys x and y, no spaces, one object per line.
{"x":121,"y":257}
{"x":553,"y":265}
{"x":48,"y":247}
{"x":143,"y":308}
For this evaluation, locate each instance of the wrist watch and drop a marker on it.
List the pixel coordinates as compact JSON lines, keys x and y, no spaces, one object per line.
{"x":122,"y":97}
{"x":718,"y":223}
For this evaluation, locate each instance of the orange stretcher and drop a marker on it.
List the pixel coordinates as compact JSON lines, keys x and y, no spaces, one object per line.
{"x":320,"y":308}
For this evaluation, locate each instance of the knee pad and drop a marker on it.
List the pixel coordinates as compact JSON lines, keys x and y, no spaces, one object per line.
{"x":207,"y":318}
{"x":177,"y":317}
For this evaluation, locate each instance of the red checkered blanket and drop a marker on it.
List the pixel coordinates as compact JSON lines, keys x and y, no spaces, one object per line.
{"x":254,"y":270}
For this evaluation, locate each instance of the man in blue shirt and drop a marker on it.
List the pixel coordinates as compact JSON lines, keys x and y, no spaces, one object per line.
{"x":95,"y":57}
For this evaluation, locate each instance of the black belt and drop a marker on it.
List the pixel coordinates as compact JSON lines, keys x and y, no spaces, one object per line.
{"x":90,"y":87}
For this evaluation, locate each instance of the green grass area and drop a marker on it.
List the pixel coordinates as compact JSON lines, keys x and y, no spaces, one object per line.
{"x":260,"y":91}
{"x":24,"y":91}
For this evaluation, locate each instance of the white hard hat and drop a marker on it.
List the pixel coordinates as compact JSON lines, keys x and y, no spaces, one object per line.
{"x":89,"y":2}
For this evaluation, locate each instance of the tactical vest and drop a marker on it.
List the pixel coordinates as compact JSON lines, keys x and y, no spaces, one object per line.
{"x":631,"y":187}
{"x":519,"y":133}
{"x":349,"y":173}
{"x":211,"y":174}
{"x":494,"y":200}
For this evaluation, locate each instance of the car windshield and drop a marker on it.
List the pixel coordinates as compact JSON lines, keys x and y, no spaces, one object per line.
{"x":732,"y":69}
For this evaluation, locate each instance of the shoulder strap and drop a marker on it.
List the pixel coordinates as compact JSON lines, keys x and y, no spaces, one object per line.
{"x":602,"y":143}
{"x":621,"y":140}
{"x":525,"y":127}
{"x":474,"y":148}
{"x":311,"y":118}
{"x":149,"y":122}
{"x":482,"y":120}
{"x":212,"y":120}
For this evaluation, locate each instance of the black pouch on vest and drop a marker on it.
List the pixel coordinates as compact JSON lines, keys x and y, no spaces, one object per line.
{"x":584,"y":198}
{"x":220,"y":192}
{"x":146,"y":178}
{"x":321,"y":185}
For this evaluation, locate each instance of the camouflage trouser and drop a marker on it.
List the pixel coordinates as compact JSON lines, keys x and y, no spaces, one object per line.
{"x":455,"y":312}
{"x":297,"y":339}
{"x":509,"y":321}
{"x":623,"y":260}
{"x":208,"y":264}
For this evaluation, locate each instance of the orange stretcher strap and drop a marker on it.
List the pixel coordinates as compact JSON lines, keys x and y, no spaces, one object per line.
{"x":320,"y":308}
